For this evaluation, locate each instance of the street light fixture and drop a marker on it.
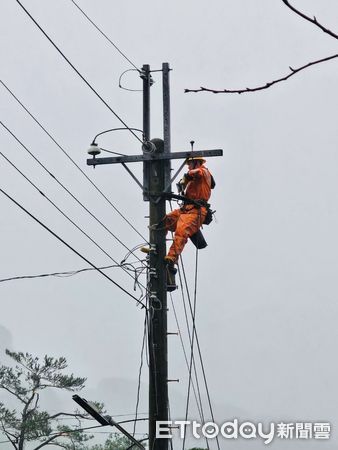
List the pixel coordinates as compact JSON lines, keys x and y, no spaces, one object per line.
{"x":104,"y":420}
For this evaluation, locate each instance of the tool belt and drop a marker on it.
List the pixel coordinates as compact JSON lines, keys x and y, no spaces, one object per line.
{"x":198,"y":203}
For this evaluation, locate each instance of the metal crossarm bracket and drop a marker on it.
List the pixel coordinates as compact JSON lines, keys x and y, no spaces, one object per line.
{"x":132,"y":175}
{"x":153,"y":157}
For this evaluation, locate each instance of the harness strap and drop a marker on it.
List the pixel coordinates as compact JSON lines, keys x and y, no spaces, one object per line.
{"x":198,"y":203}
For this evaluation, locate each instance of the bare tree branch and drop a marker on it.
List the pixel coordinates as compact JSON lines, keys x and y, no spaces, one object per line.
{"x":13,"y":393}
{"x":265,"y":86}
{"x":48,"y":441}
{"x":293,"y":71}
{"x":312,"y":20}
{"x":9,"y":436}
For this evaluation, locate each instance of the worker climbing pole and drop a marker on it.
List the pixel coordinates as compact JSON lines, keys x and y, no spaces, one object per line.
{"x":195,"y":189}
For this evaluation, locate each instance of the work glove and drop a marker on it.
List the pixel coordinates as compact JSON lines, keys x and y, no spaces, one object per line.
{"x":182,"y":184}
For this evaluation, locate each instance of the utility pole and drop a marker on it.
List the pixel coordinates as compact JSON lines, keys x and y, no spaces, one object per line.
{"x":156,"y":187}
{"x":158,"y":346}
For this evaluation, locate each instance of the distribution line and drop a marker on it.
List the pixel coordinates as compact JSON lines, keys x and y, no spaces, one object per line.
{"x":190,"y":340}
{"x":198,"y":402}
{"x":66,"y":274}
{"x":65,"y":215}
{"x":170,"y":419}
{"x":71,"y":159}
{"x":199,"y":352}
{"x":70,"y":247}
{"x":66,"y":189}
{"x":77,"y":71}
{"x":140,"y":373}
{"x":105,"y":36}
{"x":77,"y":430}
{"x":69,"y":219}
{"x":192,"y":345}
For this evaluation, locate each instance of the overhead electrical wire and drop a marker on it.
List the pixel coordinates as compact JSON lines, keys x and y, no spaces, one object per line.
{"x":66,"y":189}
{"x":70,"y":247}
{"x":123,"y":267}
{"x":197,"y":398}
{"x":140,"y":372}
{"x":71,"y":159}
{"x":124,"y":88}
{"x":79,"y":228}
{"x":170,"y":420}
{"x":76,"y":430}
{"x":199,"y":403}
{"x":192,"y":343}
{"x":77,"y":71}
{"x":66,"y":274}
{"x":58,"y":209}
{"x":199,"y":349}
{"x":105,"y":36}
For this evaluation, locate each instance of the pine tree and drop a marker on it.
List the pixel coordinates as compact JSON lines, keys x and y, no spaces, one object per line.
{"x":28,"y":423}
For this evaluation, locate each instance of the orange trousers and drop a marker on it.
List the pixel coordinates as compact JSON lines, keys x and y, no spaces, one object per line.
{"x":184,"y":222}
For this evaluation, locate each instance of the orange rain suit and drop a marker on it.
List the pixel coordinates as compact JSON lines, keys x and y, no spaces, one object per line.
{"x":187,"y":220}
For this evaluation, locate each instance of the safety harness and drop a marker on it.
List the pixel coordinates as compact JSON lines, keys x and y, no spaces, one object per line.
{"x":198,"y":203}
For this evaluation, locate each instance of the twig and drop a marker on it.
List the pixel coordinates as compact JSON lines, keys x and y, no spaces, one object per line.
{"x":293,"y":71}
{"x":265,"y":86}
{"x":312,"y":20}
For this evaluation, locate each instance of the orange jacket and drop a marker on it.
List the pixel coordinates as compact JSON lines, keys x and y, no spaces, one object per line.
{"x":199,"y":184}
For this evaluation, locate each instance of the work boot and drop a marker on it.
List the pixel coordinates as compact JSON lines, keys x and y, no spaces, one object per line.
{"x":170,"y":264}
{"x":145,"y":250}
{"x":171,"y":272}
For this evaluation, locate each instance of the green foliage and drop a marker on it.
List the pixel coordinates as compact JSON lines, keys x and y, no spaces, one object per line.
{"x":27,"y":423}
{"x":114,"y":442}
{"x":41,"y":375}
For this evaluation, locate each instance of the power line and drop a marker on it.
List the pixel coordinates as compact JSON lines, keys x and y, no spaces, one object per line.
{"x":197,"y":399}
{"x":70,"y":247}
{"x":198,"y":402}
{"x":122,"y":266}
{"x":90,"y":418}
{"x":199,"y":352}
{"x":120,"y":84}
{"x":71,"y":159}
{"x":64,"y":187}
{"x":140,"y":372}
{"x":69,"y":219}
{"x":66,"y":274}
{"x":105,"y":36}
{"x":192,"y":345}
{"x":77,"y":71}
{"x":58,"y":209}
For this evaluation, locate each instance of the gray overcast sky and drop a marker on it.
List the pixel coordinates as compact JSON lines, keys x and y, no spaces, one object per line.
{"x":267,"y":301}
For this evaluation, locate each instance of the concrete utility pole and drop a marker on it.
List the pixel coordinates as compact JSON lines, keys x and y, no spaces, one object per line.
{"x":155,"y":174}
{"x":156,"y":160}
